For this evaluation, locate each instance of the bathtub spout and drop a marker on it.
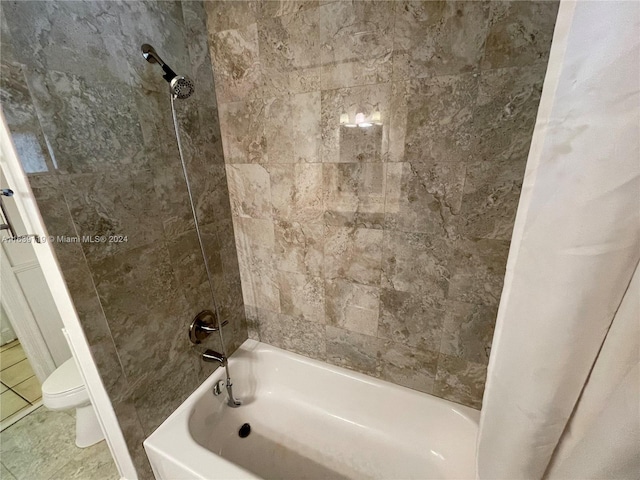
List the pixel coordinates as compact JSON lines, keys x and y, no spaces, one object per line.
{"x":213,"y":356}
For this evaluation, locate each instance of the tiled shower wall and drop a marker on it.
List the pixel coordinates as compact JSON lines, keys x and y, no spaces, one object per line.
{"x":380,"y":249}
{"x":91,"y":121}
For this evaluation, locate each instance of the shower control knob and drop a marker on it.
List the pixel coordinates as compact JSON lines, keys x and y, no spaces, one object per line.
{"x":203,"y":325}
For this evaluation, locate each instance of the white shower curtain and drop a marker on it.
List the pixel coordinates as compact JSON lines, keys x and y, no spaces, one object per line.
{"x":563,"y":389}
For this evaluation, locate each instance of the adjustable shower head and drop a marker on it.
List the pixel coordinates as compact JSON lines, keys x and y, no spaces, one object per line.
{"x":181,"y":86}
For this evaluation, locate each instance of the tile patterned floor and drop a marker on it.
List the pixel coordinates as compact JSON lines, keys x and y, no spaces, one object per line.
{"x":41,"y":446}
{"x":19,"y":388}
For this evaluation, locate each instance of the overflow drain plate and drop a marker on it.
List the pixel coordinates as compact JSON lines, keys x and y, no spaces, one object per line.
{"x":244,"y":431}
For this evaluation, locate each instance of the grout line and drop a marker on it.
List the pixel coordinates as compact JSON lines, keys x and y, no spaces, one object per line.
{"x":29,"y":378}
{"x":22,"y":396}
{"x":19,"y":415}
{"x":6,"y":346}
{"x":16,"y":393}
{"x":18,"y":363}
{"x":5,"y":351}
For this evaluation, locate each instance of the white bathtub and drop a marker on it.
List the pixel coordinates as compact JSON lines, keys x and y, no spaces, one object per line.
{"x":311,"y":420}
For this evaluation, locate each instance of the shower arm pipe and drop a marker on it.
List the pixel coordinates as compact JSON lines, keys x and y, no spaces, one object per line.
{"x":232,"y":401}
{"x":151,"y":56}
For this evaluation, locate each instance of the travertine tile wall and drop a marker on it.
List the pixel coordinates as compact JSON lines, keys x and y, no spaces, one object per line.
{"x":91,"y":121}
{"x":379,"y":249}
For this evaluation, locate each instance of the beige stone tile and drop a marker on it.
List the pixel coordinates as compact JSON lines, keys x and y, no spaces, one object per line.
{"x":354,"y":219}
{"x":292,"y":128}
{"x":290,"y":51}
{"x":357,"y":42}
{"x":505,"y":113}
{"x":353,"y":254}
{"x":253,"y":326}
{"x":416,"y":263}
{"x":249,"y":190}
{"x":299,"y":247}
{"x":460,"y":381}
{"x":242,"y":126}
{"x":412,"y":319}
{"x":260,"y":288}
{"x":438,"y":38}
{"x":230,"y":14}
{"x":296,"y":192}
{"x":468,"y":331}
{"x":351,"y":188}
{"x":519,"y":33}
{"x":3,"y":387}
{"x":16,"y":373}
{"x":409,"y":367}
{"x":291,"y":333}
{"x":29,"y":389}
{"x":424,"y":197}
{"x":277,"y":8}
{"x":255,"y":243}
{"x":352,"y":306}
{"x":11,"y":356}
{"x":236,"y":63}
{"x":11,"y":403}
{"x":437,"y":130}
{"x":302,"y":296}
{"x":477,"y":270}
{"x":354,"y":350}
{"x":361,"y":144}
{"x":398,"y":115}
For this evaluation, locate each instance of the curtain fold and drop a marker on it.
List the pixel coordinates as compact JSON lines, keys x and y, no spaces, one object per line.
{"x":575,"y":247}
{"x":602,"y":439}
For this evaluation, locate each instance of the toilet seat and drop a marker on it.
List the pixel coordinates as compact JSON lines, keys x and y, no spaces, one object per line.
{"x":64,"y":388}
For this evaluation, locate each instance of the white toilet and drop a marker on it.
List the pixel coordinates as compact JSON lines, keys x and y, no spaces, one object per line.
{"x":64,"y":389}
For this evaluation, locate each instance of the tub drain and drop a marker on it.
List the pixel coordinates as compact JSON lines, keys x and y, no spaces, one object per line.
{"x":244,"y":431}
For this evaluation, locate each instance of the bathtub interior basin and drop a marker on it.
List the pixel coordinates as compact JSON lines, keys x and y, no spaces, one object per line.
{"x":311,"y":420}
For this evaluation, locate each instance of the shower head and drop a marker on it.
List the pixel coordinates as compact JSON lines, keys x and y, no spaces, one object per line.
{"x":181,"y":86}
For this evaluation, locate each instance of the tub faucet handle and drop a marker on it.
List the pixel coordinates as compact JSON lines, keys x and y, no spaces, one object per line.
{"x":203,"y":325}
{"x":209,"y":329}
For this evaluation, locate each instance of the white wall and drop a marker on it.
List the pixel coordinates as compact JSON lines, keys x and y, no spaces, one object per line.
{"x":6,"y":331}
